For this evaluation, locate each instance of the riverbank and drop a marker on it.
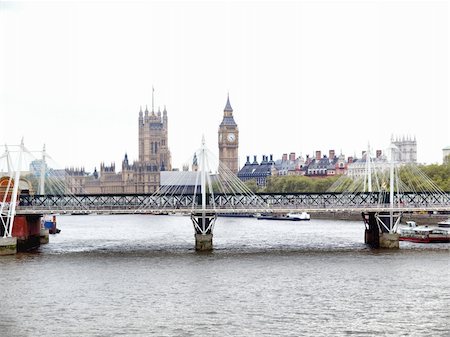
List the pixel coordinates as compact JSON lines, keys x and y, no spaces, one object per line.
{"x":420,"y":219}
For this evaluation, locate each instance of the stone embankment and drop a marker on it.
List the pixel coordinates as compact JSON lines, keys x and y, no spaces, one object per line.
{"x":420,"y":219}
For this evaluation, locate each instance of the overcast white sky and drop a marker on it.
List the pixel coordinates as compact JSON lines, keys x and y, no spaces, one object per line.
{"x":302,"y":76}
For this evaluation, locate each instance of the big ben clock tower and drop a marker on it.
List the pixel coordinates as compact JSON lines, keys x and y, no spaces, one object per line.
{"x":229,"y":140}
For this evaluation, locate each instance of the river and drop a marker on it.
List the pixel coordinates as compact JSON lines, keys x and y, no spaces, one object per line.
{"x":139,"y":275}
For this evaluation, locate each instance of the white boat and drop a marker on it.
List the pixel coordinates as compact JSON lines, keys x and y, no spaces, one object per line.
{"x":299,"y":216}
{"x":288,"y":217}
{"x":423,"y":234}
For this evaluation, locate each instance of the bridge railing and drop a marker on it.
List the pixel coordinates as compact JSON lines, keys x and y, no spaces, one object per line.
{"x":313,"y":201}
{"x":186,"y":210}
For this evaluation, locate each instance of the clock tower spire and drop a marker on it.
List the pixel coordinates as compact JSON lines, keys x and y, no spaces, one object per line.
{"x":229,"y":140}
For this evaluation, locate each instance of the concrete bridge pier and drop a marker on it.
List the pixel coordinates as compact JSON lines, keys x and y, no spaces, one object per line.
{"x":203,"y":242}
{"x":389,"y":240}
{"x":27,"y":230}
{"x":8,"y":246}
{"x":376,"y":235}
{"x":44,"y":236}
{"x":203,"y":225}
{"x":26,"y":234}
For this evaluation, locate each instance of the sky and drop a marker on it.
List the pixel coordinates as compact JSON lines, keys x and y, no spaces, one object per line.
{"x":302,"y":76}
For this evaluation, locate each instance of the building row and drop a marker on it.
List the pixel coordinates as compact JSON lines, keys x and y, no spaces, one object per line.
{"x":326,"y":165}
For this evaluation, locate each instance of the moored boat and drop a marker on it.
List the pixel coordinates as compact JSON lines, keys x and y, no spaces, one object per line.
{"x":287,"y":217}
{"x":50,"y":224}
{"x":236,"y":215}
{"x":422,"y":234}
{"x":299,"y":216}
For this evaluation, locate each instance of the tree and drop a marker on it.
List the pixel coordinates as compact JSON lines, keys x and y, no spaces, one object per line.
{"x":252,"y":185}
{"x":298,"y":184}
{"x":439,"y":174}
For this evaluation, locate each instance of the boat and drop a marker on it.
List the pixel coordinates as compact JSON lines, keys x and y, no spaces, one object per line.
{"x":50,"y":224}
{"x":422,"y":234}
{"x":287,"y":217}
{"x":236,"y":215}
{"x":299,"y":216}
{"x":80,"y":213}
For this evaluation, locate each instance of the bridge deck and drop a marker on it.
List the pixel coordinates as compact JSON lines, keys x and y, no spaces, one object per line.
{"x":221,"y":203}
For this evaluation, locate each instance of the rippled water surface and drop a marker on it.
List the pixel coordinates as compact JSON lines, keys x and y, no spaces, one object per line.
{"x":136,"y":275}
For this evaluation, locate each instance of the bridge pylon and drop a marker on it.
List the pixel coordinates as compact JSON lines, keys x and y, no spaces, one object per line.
{"x":203,"y":224}
{"x":204,"y":219}
{"x":8,"y":202}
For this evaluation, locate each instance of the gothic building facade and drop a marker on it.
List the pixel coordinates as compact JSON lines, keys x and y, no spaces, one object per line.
{"x":229,"y":140}
{"x":406,"y":151}
{"x":140,"y":176}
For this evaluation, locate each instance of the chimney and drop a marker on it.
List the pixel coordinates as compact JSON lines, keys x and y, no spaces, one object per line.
{"x":379,"y":153}
{"x":331,"y":154}
{"x":350,"y":160}
{"x":284,"y":158}
{"x":255,"y":162}
{"x":292,"y":156}
{"x":318,"y":155}
{"x":248,"y":161}
{"x":271,"y":157}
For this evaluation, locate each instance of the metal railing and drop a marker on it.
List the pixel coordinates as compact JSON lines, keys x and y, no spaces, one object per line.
{"x":144,"y":203}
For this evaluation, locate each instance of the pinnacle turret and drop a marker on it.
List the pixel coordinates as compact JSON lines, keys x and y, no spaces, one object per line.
{"x":228,"y":119}
{"x":228,"y":107}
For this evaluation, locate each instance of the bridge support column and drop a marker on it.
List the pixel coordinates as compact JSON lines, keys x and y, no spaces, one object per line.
{"x":389,"y":240}
{"x":44,"y":236}
{"x":203,"y":225}
{"x":203,"y":242}
{"x":8,"y":246}
{"x":27,"y":230}
{"x":372,"y":232}
{"x":376,"y":234}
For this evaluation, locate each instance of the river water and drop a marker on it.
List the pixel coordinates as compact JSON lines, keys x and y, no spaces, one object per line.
{"x":139,"y":275}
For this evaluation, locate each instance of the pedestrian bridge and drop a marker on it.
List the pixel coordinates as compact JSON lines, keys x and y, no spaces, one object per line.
{"x":235,"y":203}
{"x":376,"y":194}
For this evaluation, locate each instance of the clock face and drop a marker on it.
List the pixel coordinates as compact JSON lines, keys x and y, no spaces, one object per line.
{"x":231,"y":137}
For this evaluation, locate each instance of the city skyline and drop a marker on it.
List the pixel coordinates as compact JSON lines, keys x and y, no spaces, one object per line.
{"x":301,"y":76}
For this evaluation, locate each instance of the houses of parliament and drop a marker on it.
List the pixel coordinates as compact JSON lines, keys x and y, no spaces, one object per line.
{"x":143,"y":176}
